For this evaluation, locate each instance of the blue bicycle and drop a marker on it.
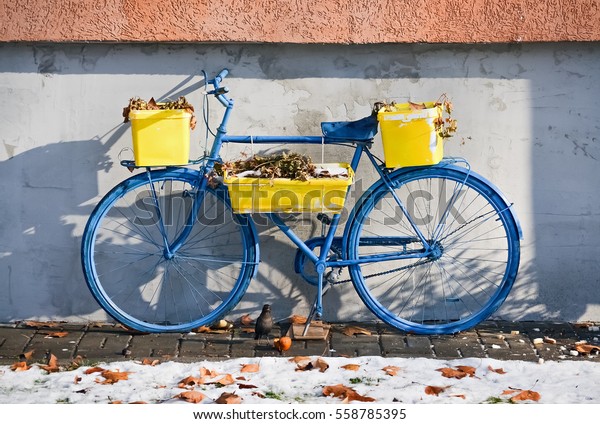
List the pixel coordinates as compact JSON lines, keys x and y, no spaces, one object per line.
{"x":429,"y":249}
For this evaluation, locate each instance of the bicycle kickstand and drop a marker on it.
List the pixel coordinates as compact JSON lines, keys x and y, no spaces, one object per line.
{"x":317,"y":306}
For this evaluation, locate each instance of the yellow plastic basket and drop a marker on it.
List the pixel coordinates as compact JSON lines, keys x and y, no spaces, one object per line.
{"x":409,"y":136}
{"x":160,"y":137}
{"x":283,"y":195}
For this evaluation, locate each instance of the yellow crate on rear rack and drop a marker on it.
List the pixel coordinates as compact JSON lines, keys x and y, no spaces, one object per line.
{"x":283,"y":195}
{"x":160,"y":137}
{"x":409,"y":136}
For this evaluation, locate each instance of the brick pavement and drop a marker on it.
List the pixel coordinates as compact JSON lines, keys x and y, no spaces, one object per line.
{"x":493,"y":339}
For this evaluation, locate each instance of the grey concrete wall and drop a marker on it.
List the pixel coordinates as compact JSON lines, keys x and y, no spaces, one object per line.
{"x":527,"y":121}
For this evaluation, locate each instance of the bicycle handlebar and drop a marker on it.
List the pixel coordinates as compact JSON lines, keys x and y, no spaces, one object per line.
{"x":219,"y":92}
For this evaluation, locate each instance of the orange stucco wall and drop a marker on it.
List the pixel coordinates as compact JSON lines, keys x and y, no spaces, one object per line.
{"x":300,"y":21}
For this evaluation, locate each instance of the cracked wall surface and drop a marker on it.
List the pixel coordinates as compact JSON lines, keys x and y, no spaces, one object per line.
{"x":307,"y":21}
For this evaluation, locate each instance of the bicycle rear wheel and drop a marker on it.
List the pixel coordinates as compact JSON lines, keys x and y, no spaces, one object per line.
{"x":472,"y":264}
{"x":156,"y":266}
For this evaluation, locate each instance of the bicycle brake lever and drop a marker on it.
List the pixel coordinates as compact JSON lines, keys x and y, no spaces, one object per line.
{"x":218,"y":91}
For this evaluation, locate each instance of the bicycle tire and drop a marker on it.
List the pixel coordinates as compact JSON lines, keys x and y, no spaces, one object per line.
{"x":137,"y":283}
{"x":476,"y":258}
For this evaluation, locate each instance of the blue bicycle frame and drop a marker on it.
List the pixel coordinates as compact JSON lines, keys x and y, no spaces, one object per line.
{"x":361,"y":145}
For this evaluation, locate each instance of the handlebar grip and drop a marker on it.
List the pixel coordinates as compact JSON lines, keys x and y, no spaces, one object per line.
{"x":221,"y":75}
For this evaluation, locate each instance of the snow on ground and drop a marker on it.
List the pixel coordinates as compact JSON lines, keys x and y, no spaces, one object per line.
{"x":277,"y":380}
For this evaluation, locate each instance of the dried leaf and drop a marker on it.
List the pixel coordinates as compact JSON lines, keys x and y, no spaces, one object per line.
{"x":351,"y":367}
{"x":52,"y":365}
{"x":190,"y":382}
{"x":225,"y":380}
{"x":321,"y":364}
{"x":509,"y":391}
{"x":250,"y":368}
{"x":39,"y":324}
{"x":247,"y":386}
{"x":391,"y":370}
{"x":298,"y":359}
{"x":151,"y":362}
{"x":205,"y":372}
{"x":417,"y":106}
{"x":28,"y":355}
{"x":246,"y":320}
{"x":434,"y":390}
{"x":20,"y":366}
{"x":93,"y":370}
{"x":229,"y":398}
{"x":77,"y":379}
{"x":56,"y":334}
{"x":470,"y":371}
{"x":458,"y":396}
{"x":587,"y":349}
{"x":549,"y":340}
{"x":297,"y":319}
{"x":526,"y":395}
{"x":190,"y":396}
{"x":202,"y":329}
{"x":112,"y":377}
{"x":452,"y":373}
{"x":345,"y":393}
{"x":496,"y":370}
{"x":352,"y":331}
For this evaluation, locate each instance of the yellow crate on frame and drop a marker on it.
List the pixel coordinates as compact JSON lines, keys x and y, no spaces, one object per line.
{"x":160,"y":137}
{"x":409,"y":136}
{"x":283,"y":195}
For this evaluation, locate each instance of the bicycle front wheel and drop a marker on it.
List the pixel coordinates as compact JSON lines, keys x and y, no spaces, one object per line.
{"x":159,"y":255}
{"x":469,"y":268}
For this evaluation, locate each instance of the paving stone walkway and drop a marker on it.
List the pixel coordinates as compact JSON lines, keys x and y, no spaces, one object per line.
{"x":528,"y":341}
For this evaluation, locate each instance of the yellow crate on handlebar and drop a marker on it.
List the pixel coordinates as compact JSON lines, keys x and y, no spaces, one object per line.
{"x":160,"y":137}
{"x":409,"y":135}
{"x":284,"y":195}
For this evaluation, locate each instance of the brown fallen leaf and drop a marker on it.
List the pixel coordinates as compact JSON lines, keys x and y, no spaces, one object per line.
{"x":391,"y":370}
{"x":452,"y":373}
{"x":434,"y":390}
{"x":28,"y":355}
{"x":250,"y":368}
{"x":351,"y":367}
{"x":20,"y":366}
{"x":496,"y":370}
{"x":345,"y":393}
{"x":151,"y":362}
{"x":52,"y":365}
{"x":202,"y":329}
{"x":297,"y":319}
{"x":229,"y":398}
{"x":470,"y":371}
{"x":190,"y":382}
{"x":509,"y":391}
{"x":56,"y":334}
{"x":247,"y":386}
{"x":77,"y":379}
{"x":458,"y":396}
{"x":587,"y":349}
{"x":190,"y":396}
{"x":526,"y":395}
{"x":298,"y":359}
{"x":112,"y":377}
{"x":93,"y":370}
{"x":205,"y":372}
{"x":39,"y":324}
{"x":351,"y":330}
{"x":246,"y":320}
{"x":226,"y":380}
{"x":321,"y":364}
